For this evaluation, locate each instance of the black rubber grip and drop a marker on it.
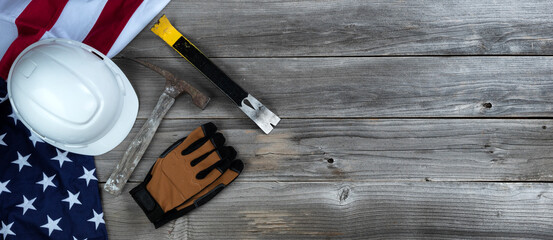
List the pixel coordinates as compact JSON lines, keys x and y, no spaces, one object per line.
{"x":210,"y":70}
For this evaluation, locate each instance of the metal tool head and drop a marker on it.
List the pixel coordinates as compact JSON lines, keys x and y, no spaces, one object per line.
{"x":175,"y":86}
{"x":261,"y":115}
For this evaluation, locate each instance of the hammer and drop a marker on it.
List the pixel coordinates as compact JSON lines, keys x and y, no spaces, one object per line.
{"x":173,"y":88}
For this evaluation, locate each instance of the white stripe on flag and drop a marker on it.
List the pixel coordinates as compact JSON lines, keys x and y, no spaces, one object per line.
{"x":76,"y":20}
{"x":9,"y":10}
{"x":140,"y":18}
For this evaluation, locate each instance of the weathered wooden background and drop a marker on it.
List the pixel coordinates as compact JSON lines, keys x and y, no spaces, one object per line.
{"x":400,"y":119}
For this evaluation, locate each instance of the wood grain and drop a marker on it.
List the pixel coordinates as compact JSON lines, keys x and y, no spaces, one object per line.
{"x":236,"y":28}
{"x":372,"y":149}
{"x":419,"y":119}
{"x":365,"y":87}
{"x":283,"y":210}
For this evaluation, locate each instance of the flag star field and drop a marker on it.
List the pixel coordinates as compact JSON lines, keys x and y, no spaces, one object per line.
{"x":45,"y":192}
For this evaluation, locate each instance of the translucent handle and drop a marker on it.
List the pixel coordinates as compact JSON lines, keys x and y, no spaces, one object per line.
{"x":138,"y":146}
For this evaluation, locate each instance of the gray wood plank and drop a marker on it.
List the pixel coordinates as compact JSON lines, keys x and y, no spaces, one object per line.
{"x":365,"y":87}
{"x":281,"y":210}
{"x":372,"y":149}
{"x":237,"y":28}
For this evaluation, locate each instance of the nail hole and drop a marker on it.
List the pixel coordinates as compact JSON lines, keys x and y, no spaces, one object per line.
{"x":543,"y":127}
{"x":487,"y":105}
{"x":248,"y":103}
{"x":330,"y":160}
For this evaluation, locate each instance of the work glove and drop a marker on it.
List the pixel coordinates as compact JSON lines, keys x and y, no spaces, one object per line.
{"x":187,"y":175}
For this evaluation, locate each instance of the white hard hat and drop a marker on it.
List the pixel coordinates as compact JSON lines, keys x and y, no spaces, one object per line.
{"x":72,"y":96}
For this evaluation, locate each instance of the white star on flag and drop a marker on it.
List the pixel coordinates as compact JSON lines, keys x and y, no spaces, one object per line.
{"x":2,"y":99}
{"x":88,"y":175}
{"x":3,"y":187}
{"x":72,"y":199}
{"x":6,"y":230}
{"x":34,"y":138}
{"x":15,"y":118}
{"x":2,"y":139}
{"x":61,"y":157}
{"x":46,"y":181}
{"x":22,"y":161}
{"x":52,"y":225}
{"x":97,"y":219}
{"x":27,"y":204}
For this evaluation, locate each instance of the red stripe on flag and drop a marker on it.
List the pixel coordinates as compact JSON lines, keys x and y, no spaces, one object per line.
{"x":37,"y":18}
{"x":112,"y":20}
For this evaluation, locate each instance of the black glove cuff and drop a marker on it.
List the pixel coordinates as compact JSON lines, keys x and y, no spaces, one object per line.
{"x":151,"y":208}
{"x":174,"y":214}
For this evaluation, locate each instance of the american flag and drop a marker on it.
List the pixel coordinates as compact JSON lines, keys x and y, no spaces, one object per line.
{"x":45,"y":192}
{"x":107,"y":25}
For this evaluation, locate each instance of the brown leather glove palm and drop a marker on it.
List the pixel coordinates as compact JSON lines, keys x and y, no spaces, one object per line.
{"x":186,"y":175}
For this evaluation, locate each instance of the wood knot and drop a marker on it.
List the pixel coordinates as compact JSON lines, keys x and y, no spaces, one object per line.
{"x":343,"y":194}
{"x":487,"y":105}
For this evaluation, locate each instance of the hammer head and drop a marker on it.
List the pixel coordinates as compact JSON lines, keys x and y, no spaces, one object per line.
{"x":175,"y":86}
